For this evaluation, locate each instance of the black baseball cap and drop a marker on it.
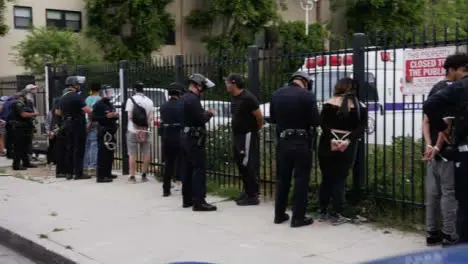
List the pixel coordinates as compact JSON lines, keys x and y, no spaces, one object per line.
{"x":236,"y":79}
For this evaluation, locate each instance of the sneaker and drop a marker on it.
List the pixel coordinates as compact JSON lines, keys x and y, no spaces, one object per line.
{"x":131,"y":179}
{"x":177,"y":186}
{"x":338,"y":219}
{"x":448,"y":240}
{"x":434,"y":238}
{"x":144,"y":178}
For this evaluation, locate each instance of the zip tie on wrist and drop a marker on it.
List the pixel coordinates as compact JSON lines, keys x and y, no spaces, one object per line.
{"x":436,"y":148}
{"x":429,"y":146}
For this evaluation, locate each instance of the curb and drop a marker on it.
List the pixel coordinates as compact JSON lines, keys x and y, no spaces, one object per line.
{"x":31,"y":249}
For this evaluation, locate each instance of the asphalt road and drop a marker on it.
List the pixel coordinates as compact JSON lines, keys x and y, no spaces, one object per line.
{"x":7,"y":256}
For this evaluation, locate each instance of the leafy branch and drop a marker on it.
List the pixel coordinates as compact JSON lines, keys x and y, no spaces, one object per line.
{"x":129,"y":29}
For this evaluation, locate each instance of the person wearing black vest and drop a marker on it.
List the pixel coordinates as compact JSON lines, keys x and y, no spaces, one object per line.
{"x":170,"y":131}
{"x":105,"y":115}
{"x":453,"y":100}
{"x":72,"y":110}
{"x":294,"y":110}
{"x":22,"y":128}
{"x":193,"y":141}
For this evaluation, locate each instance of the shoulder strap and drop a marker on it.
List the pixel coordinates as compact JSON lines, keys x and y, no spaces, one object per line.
{"x":134,"y":103}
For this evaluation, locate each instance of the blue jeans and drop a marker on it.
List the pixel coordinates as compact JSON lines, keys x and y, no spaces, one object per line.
{"x":91,"y":149}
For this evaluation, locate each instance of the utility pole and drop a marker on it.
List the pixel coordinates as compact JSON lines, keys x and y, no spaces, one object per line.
{"x":307,"y":6}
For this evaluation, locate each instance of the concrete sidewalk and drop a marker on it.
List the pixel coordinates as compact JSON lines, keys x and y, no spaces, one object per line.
{"x":123,"y":223}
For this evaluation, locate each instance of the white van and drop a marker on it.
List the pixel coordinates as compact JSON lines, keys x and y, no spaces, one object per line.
{"x":391,"y":113}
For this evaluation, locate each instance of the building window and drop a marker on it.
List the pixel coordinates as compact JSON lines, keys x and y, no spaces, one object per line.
{"x":23,"y":17}
{"x":170,"y":37}
{"x":64,"y":19}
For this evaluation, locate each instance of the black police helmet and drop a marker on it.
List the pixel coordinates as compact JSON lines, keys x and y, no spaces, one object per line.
{"x":304,"y":77}
{"x":201,"y":80}
{"x":176,"y":89}
{"x":74,"y":80}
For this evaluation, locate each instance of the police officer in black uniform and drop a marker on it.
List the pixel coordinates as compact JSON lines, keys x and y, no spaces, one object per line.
{"x":106,"y":116}
{"x":73,"y":109}
{"x":60,"y":139}
{"x":454,"y":99}
{"x":193,"y":139}
{"x":294,"y":110}
{"x":22,"y":128}
{"x":170,"y":129}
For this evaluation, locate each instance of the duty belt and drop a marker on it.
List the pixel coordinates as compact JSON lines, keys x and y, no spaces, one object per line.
{"x":298,"y":133}
{"x":194,"y":131}
{"x":463,"y":147}
{"x":171,"y":125}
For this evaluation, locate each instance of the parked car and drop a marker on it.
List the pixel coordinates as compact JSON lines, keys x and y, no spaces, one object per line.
{"x":223,"y":113}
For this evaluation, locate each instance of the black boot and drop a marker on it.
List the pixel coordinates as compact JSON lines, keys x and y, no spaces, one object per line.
{"x":279,"y":219}
{"x":82,"y":177}
{"x":204,"y":207}
{"x":434,"y":238}
{"x":18,"y":168}
{"x":103,"y":180}
{"x":302,"y":222}
{"x":246,"y":201}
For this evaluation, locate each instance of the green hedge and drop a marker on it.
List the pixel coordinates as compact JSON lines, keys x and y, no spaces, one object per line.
{"x":394,"y":172}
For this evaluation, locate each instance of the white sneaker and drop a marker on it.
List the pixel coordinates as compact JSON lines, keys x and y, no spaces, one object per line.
{"x":176,"y":186}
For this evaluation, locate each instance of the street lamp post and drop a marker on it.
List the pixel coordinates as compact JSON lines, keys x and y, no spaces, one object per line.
{"x":307,"y":5}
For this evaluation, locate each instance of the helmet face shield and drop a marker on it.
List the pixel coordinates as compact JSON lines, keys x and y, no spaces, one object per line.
{"x":108,"y":92}
{"x":208,"y":83}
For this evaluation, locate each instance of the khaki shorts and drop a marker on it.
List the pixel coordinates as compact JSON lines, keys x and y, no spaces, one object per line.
{"x":132,"y":145}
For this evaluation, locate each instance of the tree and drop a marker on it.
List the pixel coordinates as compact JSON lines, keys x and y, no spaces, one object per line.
{"x":129,"y":29}
{"x":3,"y":26}
{"x":292,"y":46}
{"x":57,"y":47}
{"x":384,"y":20}
{"x":401,"y":21}
{"x":230,"y":25}
{"x":447,"y":19}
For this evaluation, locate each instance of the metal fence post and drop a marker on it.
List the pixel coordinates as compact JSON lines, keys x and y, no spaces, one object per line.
{"x":253,"y":71}
{"x":48,"y":98}
{"x":253,"y":84}
{"x":359,"y":173}
{"x":123,"y":79}
{"x":179,"y":69}
{"x":80,"y":70}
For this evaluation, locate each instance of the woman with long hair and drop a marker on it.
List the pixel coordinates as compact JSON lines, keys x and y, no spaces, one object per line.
{"x":343,"y":120}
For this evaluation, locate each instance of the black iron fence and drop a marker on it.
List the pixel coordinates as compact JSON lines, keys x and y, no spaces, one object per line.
{"x":395,"y":72}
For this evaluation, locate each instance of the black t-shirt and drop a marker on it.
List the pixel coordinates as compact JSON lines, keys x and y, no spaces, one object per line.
{"x":434,"y":133}
{"x":72,"y":105}
{"x":242,"y":107}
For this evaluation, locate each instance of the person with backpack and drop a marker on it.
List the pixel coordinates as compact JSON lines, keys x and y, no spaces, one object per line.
{"x":140,"y":111}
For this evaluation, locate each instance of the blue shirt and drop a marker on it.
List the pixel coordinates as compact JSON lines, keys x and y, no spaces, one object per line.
{"x":90,"y":101}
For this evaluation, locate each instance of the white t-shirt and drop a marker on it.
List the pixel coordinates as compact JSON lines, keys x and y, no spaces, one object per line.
{"x":142,"y":101}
